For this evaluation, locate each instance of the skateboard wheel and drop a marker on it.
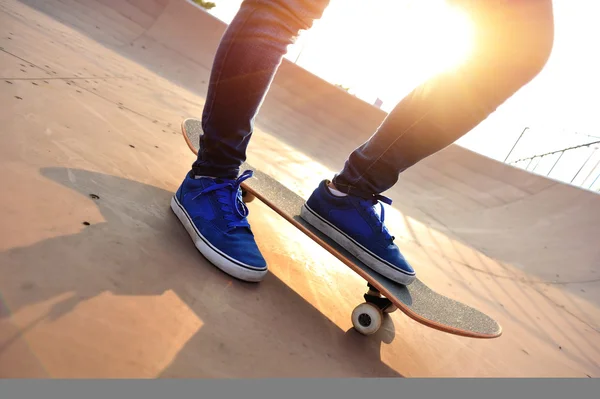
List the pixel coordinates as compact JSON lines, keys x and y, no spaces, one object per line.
{"x":247,"y":197}
{"x":366,"y":318}
{"x":390,"y":309}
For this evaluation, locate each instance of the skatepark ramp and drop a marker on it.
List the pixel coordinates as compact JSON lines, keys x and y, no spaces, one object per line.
{"x":179,"y":39}
{"x":95,"y":270}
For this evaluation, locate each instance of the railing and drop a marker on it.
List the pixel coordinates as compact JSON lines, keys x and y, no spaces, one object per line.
{"x":575,"y":169}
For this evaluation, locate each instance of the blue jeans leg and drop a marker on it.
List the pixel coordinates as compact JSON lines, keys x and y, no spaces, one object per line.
{"x":245,"y":64}
{"x":513,"y":40}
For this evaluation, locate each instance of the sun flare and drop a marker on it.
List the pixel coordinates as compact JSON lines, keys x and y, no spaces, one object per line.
{"x":385,"y":47}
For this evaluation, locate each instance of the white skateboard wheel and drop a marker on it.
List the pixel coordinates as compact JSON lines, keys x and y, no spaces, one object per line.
{"x":390,"y":309}
{"x":366,"y":318}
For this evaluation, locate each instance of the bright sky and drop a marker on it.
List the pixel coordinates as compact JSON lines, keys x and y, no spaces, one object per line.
{"x":383,"y":48}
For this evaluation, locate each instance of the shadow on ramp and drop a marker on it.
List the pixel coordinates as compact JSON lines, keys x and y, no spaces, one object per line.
{"x":141,"y":250}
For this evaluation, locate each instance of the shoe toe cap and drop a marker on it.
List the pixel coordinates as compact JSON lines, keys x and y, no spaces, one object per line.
{"x":249,"y":254}
{"x":238,"y":246}
{"x":393,"y":255}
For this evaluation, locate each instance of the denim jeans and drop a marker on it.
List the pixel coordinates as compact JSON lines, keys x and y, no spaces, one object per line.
{"x":513,"y":40}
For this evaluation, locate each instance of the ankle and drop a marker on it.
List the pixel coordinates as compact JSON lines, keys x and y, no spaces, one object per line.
{"x":333,"y":190}
{"x":198,"y":176}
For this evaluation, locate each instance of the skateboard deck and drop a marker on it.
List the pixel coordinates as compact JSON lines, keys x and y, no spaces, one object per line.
{"x":416,"y":300}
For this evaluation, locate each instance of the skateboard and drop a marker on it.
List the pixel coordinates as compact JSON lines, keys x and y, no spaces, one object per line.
{"x":383,"y":295}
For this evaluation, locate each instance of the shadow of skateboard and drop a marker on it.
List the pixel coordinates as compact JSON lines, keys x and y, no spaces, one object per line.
{"x":384,"y":295}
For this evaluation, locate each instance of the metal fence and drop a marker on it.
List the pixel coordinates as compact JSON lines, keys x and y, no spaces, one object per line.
{"x":578,"y":165}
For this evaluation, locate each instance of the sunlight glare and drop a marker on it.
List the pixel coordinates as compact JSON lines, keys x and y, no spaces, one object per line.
{"x":385,"y":49}
{"x":441,"y":34}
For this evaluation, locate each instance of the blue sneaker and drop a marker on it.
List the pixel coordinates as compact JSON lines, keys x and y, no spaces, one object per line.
{"x":356,"y":225}
{"x":214,"y":215}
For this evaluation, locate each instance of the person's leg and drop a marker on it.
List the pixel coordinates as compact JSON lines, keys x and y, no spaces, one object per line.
{"x":247,"y":59}
{"x":208,"y":203}
{"x":513,"y":40}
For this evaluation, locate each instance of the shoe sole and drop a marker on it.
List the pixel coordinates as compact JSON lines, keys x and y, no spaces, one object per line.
{"x":221,"y":260}
{"x":363,"y":254}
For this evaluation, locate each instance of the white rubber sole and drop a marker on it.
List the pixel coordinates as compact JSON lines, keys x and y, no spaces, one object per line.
{"x":221,"y":260}
{"x":364,"y":255}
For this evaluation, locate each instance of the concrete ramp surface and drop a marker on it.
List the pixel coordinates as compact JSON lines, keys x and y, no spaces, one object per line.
{"x":98,"y":279}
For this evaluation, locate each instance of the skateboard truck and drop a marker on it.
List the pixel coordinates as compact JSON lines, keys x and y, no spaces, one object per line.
{"x":247,"y":196}
{"x":368,"y":316}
